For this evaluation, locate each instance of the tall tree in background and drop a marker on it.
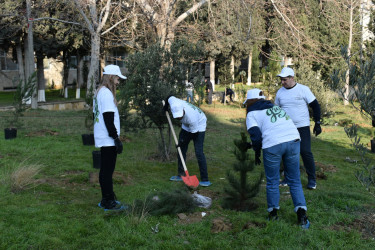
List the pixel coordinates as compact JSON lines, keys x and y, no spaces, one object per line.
{"x":95,"y":15}
{"x":165,"y":16}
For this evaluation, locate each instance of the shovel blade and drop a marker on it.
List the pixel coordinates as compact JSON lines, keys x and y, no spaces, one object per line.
{"x":191,"y":181}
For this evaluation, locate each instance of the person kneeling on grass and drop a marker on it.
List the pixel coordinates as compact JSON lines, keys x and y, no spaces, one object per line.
{"x":272,"y":130}
{"x":193,"y":128}
{"x":106,"y":134}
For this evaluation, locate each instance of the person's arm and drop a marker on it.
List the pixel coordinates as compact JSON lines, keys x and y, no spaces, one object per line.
{"x":316,"y":110}
{"x":256,"y":137}
{"x":109,"y":118}
{"x":316,"y":116}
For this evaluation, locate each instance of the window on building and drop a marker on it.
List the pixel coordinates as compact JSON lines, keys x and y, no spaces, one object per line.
{"x":117,"y":57}
{"x":6,"y":61}
{"x":73,"y":62}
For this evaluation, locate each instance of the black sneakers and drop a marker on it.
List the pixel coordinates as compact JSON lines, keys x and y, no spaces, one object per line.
{"x":111,"y":205}
{"x":273,"y":215}
{"x":302,"y":218}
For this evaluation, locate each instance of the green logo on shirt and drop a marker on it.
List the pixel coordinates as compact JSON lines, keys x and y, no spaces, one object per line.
{"x":96,"y":111}
{"x":193,"y":107}
{"x":276,"y":112}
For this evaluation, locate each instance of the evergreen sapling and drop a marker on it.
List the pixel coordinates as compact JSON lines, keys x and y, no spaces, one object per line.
{"x":239,"y":193}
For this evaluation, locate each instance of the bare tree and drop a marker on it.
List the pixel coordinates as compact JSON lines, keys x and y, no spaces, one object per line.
{"x":164,"y":17}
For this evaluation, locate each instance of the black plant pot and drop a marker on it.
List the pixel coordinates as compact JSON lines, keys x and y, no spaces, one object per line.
{"x":373,"y":146}
{"x":10,"y":133}
{"x":88,"y":139}
{"x":96,"y":159}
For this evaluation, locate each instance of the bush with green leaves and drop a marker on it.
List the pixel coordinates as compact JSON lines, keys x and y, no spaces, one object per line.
{"x":306,"y":76}
{"x":361,"y":82}
{"x":367,"y":176}
{"x":154,"y":74}
{"x":239,"y":192}
{"x":24,"y":92}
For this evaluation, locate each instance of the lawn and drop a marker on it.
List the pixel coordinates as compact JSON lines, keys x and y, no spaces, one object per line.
{"x":60,"y":211}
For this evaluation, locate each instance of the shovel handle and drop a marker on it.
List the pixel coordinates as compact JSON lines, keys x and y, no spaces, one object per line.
{"x":175,"y":140}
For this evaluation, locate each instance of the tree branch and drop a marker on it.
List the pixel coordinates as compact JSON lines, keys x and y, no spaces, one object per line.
{"x":54,"y":19}
{"x":119,"y":22}
{"x":89,"y":24}
{"x":188,"y":12}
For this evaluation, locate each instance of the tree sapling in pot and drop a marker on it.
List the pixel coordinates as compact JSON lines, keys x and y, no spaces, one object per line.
{"x":23,"y":94}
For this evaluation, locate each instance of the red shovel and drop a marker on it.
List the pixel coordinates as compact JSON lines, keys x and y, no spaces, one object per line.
{"x":191,"y":181}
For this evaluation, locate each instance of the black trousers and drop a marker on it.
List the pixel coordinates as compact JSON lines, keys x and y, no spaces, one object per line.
{"x":107,"y":167}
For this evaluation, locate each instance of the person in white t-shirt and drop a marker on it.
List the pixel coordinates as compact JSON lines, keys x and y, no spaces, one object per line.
{"x":193,"y":128}
{"x":272,"y":130}
{"x":295,"y":99}
{"x":106,"y":134}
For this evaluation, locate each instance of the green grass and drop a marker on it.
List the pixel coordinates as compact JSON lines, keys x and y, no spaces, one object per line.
{"x":62,"y":213}
{"x":6,"y":98}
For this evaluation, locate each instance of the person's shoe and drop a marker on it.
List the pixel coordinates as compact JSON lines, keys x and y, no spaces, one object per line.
{"x":311,"y":184}
{"x":205,"y":183}
{"x":283,"y":183}
{"x":272,"y":216}
{"x":112,"y":205}
{"x":176,"y":178}
{"x":302,"y":218}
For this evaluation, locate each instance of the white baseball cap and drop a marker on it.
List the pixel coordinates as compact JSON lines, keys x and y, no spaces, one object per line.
{"x":254,"y":94}
{"x":286,"y":72}
{"x":113,"y":70}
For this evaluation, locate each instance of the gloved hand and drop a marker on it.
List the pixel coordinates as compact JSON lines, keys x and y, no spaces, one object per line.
{"x":317,"y":129}
{"x":257,"y":157}
{"x":118,"y":145}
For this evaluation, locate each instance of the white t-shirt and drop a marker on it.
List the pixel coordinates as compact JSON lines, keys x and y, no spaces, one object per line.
{"x":194,"y":120}
{"x":104,"y":102}
{"x":275,"y":125}
{"x":295,"y":102}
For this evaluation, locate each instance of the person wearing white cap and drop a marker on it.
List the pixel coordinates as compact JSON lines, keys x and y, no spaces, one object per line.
{"x":295,"y":99}
{"x":194,"y":123}
{"x":107,"y":132}
{"x":272,"y":130}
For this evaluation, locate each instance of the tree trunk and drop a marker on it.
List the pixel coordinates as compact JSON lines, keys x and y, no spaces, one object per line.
{"x":232,"y":69}
{"x":40,"y":77}
{"x":249,"y":67}
{"x":212,"y":74}
{"x":347,"y":87}
{"x":79,"y":75}
{"x":29,"y":59}
{"x":21,"y":68}
{"x":65,"y":73}
{"x":164,"y":145}
{"x":92,"y":80}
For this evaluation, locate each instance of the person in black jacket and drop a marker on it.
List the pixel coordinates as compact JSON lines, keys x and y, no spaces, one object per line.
{"x":230,"y":92}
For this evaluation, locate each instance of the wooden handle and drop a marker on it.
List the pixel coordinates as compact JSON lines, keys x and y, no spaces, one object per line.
{"x":175,"y":139}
